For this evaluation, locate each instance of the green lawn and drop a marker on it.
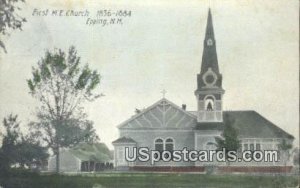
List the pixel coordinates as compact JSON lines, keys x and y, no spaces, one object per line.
{"x":145,"y":180}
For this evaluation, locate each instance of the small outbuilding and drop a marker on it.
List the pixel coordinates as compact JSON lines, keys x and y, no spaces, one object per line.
{"x":84,"y":157}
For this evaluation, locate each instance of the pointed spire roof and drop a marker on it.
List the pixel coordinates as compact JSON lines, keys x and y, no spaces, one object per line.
{"x":209,"y":57}
{"x":209,"y":71}
{"x":209,"y":27}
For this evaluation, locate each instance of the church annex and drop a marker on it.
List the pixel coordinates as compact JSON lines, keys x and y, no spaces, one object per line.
{"x":167,"y":126}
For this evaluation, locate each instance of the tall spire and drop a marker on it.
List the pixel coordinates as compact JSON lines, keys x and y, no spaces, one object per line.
{"x":209,"y":27}
{"x":209,"y":57}
{"x":209,"y":64}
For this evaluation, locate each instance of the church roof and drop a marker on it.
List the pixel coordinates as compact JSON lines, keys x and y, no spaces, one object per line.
{"x":249,"y":124}
{"x":166,"y":115}
{"x":161,"y":115}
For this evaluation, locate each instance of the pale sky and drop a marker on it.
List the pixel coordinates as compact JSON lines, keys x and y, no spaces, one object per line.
{"x":160,"y":47}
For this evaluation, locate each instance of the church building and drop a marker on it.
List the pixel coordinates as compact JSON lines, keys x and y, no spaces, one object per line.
{"x":167,"y":126}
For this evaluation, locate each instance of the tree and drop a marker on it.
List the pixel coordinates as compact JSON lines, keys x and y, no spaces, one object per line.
{"x":9,"y":19}
{"x":61,"y":86}
{"x":296,"y":158}
{"x":31,"y":152}
{"x":229,"y":139}
{"x":286,"y":148}
{"x":17,"y":148}
{"x":10,"y":140}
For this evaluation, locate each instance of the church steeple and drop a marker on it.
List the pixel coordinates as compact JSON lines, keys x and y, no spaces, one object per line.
{"x":209,"y":91}
{"x":209,"y":57}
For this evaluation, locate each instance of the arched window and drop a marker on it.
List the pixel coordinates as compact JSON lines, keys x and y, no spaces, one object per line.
{"x":159,"y":144}
{"x":209,"y":103}
{"x":169,"y":144}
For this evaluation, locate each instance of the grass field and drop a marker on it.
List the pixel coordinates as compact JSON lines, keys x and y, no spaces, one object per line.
{"x":133,"y":180}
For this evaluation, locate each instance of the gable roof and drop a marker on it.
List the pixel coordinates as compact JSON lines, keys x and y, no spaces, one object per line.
{"x":251,"y":124}
{"x":162,"y":114}
{"x":92,"y":152}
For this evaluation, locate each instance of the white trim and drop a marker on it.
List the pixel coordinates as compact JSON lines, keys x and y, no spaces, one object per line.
{"x":214,"y":103}
{"x":147,"y":120}
{"x":141,"y":113}
{"x":181,"y":119}
{"x":172,"y":117}
{"x":166,"y":110}
{"x":207,"y":73}
{"x":154,"y":105}
{"x":159,"y":110}
{"x":154,"y":117}
{"x":210,"y":96}
{"x":138,"y":122}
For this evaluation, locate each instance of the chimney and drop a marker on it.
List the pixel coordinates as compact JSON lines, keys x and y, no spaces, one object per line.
{"x":183,"y":106}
